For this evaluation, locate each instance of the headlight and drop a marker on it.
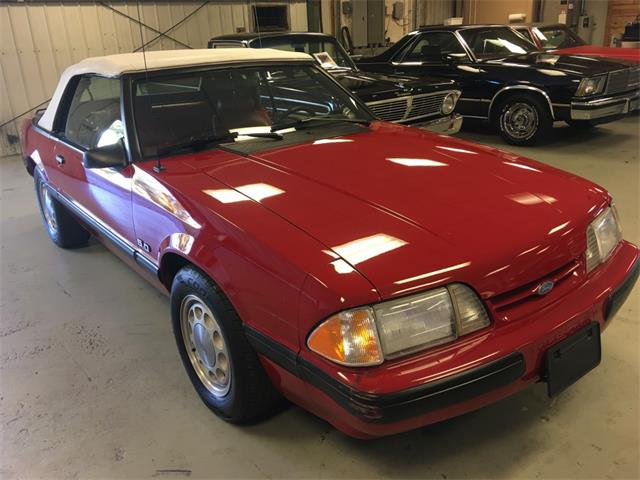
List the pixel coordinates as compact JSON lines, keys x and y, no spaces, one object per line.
{"x":603,"y":235}
{"x":369,"y":335}
{"x":591,"y":86}
{"x":449,"y":103}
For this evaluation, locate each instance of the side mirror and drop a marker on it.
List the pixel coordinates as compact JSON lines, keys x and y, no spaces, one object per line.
{"x":450,"y":58}
{"x":114,"y":155}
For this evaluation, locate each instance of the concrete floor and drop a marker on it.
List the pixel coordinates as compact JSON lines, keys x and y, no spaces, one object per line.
{"x":92,"y":386}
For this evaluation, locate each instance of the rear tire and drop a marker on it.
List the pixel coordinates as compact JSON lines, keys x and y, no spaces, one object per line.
{"x":523,"y":119}
{"x":63,"y":228}
{"x":223,"y":367}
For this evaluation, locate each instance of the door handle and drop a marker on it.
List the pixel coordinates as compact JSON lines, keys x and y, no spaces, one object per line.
{"x":59,"y":159}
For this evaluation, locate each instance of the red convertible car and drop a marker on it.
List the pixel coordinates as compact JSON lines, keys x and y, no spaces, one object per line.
{"x":380,"y":276}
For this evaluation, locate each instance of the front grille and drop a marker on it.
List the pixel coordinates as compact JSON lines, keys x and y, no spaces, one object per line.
{"x":623,"y":80}
{"x":507,"y":300}
{"x":428,"y":105}
{"x":390,"y":110}
{"x":634,"y":77}
{"x":405,"y":109}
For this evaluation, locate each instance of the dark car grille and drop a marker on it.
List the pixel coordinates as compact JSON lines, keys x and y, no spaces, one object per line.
{"x":390,"y":110}
{"x":623,"y":80}
{"x":405,"y":109}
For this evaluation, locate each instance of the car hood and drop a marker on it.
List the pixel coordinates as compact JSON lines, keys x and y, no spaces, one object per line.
{"x":378,"y":86}
{"x":630,"y":54}
{"x":572,"y":64}
{"x":410,"y":209}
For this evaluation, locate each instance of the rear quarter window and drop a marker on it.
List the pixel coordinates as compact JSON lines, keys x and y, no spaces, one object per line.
{"x":93,"y":118}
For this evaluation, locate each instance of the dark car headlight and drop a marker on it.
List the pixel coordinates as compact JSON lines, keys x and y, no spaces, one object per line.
{"x":449,"y":103}
{"x":591,"y":86}
{"x":367,"y":336}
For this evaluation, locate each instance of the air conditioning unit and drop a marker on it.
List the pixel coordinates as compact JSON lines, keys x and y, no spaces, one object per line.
{"x":454,"y":21}
{"x":585,"y":27}
{"x":517,"y":18}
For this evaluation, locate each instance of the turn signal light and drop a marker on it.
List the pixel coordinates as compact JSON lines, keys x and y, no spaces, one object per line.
{"x":348,"y":338}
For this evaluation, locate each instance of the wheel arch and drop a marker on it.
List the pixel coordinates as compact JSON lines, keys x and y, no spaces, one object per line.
{"x":170,"y":264}
{"x":515,"y":89}
{"x":172,"y":260}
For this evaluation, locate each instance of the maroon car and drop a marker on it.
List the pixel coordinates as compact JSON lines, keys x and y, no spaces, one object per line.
{"x":559,"y":38}
{"x":380,"y":276}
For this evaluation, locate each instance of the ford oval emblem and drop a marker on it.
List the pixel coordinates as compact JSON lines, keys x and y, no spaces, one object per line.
{"x":545,"y":287}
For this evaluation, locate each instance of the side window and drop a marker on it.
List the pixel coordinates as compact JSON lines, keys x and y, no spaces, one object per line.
{"x":433,"y":46}
{"x":557,"y":38}
{"x":526,"y":34}
{"x":93,"y":119}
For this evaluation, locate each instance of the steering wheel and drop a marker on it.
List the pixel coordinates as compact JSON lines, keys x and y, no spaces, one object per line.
{"x":292,"y":110}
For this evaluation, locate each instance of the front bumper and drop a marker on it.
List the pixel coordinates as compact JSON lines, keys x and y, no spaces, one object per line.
{"x":605,"y":107}
{"x":492,"y":365}
{"x":448,"y":125}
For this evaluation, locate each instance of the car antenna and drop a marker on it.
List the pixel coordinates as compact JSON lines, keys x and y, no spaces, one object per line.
{"x":158,"y":167}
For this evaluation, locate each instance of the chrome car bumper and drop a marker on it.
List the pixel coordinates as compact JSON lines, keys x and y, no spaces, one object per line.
{"x":605,"y":107}
{"x":446,"y":125}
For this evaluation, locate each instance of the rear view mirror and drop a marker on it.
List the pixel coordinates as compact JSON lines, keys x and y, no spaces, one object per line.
{"x":108,"y":156}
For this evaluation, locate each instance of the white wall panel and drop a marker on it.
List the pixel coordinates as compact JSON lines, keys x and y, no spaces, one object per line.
{"x":38,"y":40}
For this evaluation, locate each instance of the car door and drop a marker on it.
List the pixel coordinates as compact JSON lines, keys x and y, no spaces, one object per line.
{"x":92,"y":118}
{"x":441,"y":54}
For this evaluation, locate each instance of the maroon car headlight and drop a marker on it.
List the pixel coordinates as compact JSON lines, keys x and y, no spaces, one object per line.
{"x":369,"y":335}
{"x":603,"y":235}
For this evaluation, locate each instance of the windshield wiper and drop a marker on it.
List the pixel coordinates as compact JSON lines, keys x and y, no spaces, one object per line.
{"x":200,"y":141}
{"x":303,"y":122}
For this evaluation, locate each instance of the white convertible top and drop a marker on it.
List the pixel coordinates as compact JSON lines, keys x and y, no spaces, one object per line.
{"x":115,"y":65}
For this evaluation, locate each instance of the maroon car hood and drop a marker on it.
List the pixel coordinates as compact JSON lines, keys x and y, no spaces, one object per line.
{"x":631,"y":54}
{"x":409,"y":209}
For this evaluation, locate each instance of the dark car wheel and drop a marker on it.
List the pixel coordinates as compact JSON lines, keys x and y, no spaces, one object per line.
{"x":219,"y":360}
{"x":523,"y":119}
{"x":63,"y":228}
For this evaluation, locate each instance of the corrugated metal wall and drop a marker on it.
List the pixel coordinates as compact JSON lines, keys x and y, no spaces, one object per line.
{"x":39,"y":40}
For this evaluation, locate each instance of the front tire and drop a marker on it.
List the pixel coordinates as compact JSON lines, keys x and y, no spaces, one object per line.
{"x":223,"y":367}
{"x":523,"y":120}
{"x":63,"y":228}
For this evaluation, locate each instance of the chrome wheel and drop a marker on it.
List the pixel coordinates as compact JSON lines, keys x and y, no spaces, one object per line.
{"x":520,"y":121}
{"x":47,"y":208}
{"x":205,"y":345}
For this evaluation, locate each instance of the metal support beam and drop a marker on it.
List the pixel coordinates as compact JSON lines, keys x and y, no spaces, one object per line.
{"x":138,"y":22}
{"x":145,"y":45}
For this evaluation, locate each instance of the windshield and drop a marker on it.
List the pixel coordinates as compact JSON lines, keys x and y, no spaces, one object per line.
{"x":175,"y":109}
{"x":557,"y":37}
{"x":489,"y":42}
{"x":308,"y":45}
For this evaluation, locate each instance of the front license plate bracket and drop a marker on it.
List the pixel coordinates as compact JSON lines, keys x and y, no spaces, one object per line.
{"x":569,"y":360}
